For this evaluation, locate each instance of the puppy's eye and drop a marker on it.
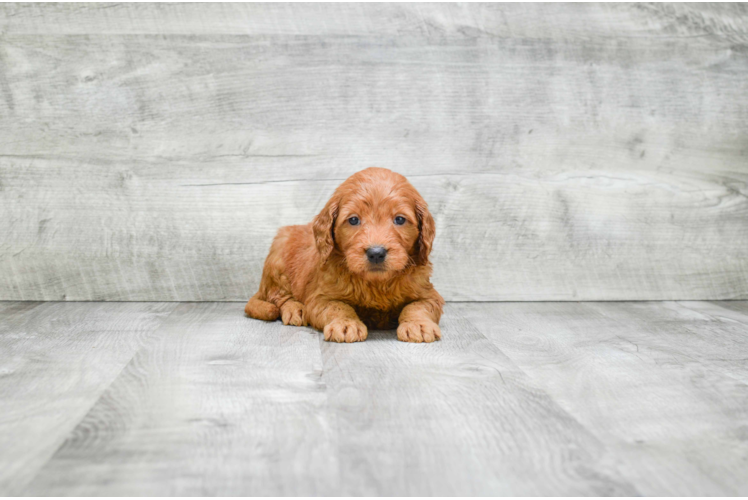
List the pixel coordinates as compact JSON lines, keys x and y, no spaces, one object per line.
{"x":399,"y":220}
{"x":353,"y":221}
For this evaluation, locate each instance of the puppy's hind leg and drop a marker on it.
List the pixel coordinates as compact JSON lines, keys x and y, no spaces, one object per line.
{"x":260,"y":309}
{"x":265,"y":304}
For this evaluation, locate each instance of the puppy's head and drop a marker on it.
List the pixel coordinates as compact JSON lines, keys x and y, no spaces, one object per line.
{"x":378,"y":223}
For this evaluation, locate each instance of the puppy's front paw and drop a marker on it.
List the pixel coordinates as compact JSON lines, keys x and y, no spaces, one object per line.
{"x":419,"y":331}
{"x":293,"y":313}
{"x":345,"y":330}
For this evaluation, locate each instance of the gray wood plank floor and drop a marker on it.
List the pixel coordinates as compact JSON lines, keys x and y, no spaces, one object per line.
{"x":518,"y":399}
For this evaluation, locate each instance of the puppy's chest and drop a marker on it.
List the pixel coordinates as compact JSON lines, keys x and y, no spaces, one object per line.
{"x":377,"y":318}
{"x":379,"y":310}
{"x":383,"y":298}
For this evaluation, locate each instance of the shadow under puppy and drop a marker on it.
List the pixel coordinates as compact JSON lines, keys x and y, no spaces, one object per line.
{"x":363,"y":262}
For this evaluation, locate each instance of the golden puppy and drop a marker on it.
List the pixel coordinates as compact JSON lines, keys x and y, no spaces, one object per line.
{"x":363,"y":262}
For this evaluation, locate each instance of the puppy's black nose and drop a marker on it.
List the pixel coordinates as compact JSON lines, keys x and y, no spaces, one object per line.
{"x":376,"y":255}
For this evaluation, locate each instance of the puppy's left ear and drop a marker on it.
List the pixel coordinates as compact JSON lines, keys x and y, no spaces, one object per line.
{"x":323,"y":227}
{"x":426,"y":230}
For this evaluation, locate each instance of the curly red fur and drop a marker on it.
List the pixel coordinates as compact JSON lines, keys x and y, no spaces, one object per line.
{"x":319,"y":273}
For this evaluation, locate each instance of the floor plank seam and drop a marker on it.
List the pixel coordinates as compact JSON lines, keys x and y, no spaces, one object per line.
{"x":103,"y":391}
{"x":617,"y":459}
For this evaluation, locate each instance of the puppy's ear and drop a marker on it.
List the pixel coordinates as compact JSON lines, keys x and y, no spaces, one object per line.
{"x":426,"y":230}
{"x":323,"y":227}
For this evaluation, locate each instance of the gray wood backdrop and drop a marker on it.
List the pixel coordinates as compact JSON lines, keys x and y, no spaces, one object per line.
{"x":568,"y":152}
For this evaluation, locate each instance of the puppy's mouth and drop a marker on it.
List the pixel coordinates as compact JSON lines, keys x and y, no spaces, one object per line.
{"x":378,"y":271}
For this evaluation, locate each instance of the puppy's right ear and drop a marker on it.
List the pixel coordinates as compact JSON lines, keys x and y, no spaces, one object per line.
{"x":323,"y":227}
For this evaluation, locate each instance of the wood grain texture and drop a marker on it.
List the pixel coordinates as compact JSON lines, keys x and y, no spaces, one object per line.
{"x":225,"y":405}
{"x":662,"y":384}
{"x":518,"y":399}
{"x":358,"y":19}
{"x":55,"y":362}
{"x":455,"y":418}
{"x":569,"y":152}
{"x":221,"y":405}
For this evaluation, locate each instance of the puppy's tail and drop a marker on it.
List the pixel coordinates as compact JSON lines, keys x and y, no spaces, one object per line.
{"x":259,"y":309}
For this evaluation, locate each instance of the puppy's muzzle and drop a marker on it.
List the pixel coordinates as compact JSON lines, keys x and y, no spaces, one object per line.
{"x":376,"y":254}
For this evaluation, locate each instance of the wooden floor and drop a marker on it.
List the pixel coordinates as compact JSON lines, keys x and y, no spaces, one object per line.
{"x":634,"y":398}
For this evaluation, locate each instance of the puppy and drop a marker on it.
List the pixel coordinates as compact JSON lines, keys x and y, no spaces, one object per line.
{"x":363,"y":262}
